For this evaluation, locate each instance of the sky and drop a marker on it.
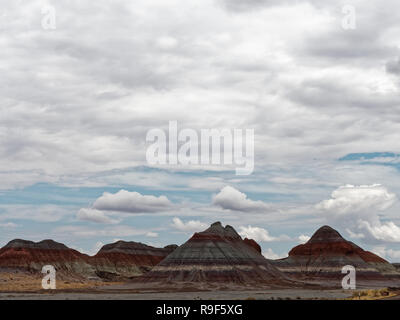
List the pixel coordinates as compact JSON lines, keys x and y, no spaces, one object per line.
{"x":84,"y":82}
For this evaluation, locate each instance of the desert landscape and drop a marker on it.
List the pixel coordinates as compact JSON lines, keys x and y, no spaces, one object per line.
{"x":214,"y":264}
{"x":199,"y":150}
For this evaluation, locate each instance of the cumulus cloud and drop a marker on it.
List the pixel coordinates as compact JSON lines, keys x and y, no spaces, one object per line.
{"x":354,"y":235}
{"x":383,"y":231}
{"x":98,"y":245}
{"x":352,"y":199}
{"x":132,"y":202}
{"x":93,"y":215}
{"x":270,"y":254}
{"x":232,"y":199}
{"x":121,"y":203}
{"x":255,"y":233}
{"x":303,"y":238}
{"x":359,"y":208}
{"x":189,"y":226}
{"x":390,"y":254}
{"x":90,"y":100}
{"x":259,"y":234}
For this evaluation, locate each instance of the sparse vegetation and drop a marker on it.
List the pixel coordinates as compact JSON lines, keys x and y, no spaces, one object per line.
{"x":372,"y":294}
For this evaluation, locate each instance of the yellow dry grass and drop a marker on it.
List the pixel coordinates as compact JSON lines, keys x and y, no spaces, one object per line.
{"x":372,"y":294}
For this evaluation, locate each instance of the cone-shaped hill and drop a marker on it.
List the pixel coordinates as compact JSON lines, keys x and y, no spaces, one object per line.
{"x":128,"y":258}
{"x":326,"y":253}
{"x":217,"y":255}
{"x":32,"y":256}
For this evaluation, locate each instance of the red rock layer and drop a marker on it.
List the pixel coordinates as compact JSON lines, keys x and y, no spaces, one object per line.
{"x":324,"y":255}
{"x":217,"y":255}
{"x":31,"y":256}
{"x":128,"y":259}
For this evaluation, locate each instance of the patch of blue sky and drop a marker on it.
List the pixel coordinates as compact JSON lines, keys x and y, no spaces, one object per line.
{"x":45,"y":193}
{"x":369,"y":156}
{"x":368,"y":159}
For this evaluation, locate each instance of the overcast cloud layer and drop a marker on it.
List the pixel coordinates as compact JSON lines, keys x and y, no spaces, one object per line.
{"x":77,"y":101}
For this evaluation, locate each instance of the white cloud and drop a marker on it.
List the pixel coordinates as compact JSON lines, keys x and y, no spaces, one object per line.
{"x":115,"y":231}
{"x":232,"y":199}
{"x":90,"y":100}
{"x":360,"y":208}
{"x":94,"y":215}
{"x":132,"y":202}
{"x":353,"y":199}
{"x":303,"y":238}
{"x":162,"y":69}
{"x":91,"y":252}
{"x":151,"y":234}
{"x":255,"y":233}
{"x":383,"y":231}
{"x":98,"y":245}
{"x":189,"y":226}
{"x":8,"y":225}
{"x":259,"y":234}
{"x":354,"y":235}
{"x":390,"y":254}
{"x":167,"y":43}
{"x":380,"y":251}
{"x":393,"y":255}
{"x":270,"y":254}
{"x":40,"y":213}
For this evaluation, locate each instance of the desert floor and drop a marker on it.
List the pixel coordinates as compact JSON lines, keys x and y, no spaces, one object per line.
{"x":28,"y":287}
{"x":213,"y":295}
{"x":275,"y":294}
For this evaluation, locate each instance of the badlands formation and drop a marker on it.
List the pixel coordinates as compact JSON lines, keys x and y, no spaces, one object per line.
{"x":217,"y":255}
{"x":326,"y":253}
{"x":28,"y":256}
{"x":114,"y":261}
{"x":128,"y":259}
{"x":215,"y":259}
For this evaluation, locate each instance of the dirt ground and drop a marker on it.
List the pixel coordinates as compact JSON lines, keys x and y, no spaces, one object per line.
{"x":23,"y":282}
{"x":14,"y":286}
{"x":287,"y":294}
